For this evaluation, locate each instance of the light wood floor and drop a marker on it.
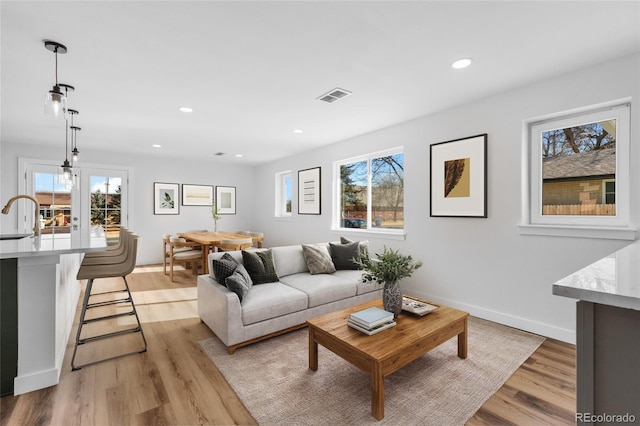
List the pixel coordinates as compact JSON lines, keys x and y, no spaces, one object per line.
{"x":174,"y":382}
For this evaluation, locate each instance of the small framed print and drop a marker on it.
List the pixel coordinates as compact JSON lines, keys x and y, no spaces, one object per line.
{"x":459,"y":177}
{"x":197,"y":195}
{"x":226,"y":199}
{"x":309,"y":195}
{"x":166,"y":198}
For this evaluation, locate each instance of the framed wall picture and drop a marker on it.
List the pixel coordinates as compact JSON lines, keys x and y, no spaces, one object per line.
{"x":309,"y":195}
{"x":197,"y":195}
{"x":459,"y":177}
{"x":166,"y":198}
{"x":226,"y":199}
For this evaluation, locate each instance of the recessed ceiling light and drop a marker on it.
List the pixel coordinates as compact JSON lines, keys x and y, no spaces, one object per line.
{"x":155,"y":145}
{"x":461,"y":63}
{"x":239,"y":155}
{"x":185,"y":109}
{"x":298,"y":131}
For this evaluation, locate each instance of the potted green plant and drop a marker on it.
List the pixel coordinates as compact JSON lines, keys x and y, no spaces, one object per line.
{"x":215,"y":216}
{"x":388,"y":268}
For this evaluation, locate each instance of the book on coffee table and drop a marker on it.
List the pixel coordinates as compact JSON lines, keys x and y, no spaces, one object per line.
{"x":416,"y":306}
{"x":371,"y":317}
{"x":372,"y":330}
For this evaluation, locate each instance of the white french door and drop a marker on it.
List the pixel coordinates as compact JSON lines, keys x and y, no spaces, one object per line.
{"x":98,"y":198}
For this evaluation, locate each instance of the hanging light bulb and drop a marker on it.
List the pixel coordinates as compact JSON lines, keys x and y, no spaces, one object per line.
{"x":55,"y":102}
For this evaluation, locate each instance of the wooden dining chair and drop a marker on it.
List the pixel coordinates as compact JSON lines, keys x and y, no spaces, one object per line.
{"x":185,"y":253}
{"x":235,"y":244}
{"x":252,"y":234}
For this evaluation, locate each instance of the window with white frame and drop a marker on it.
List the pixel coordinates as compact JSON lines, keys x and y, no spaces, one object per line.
{"x":283,"y":192}
{"x":578,"y":172}
{"x":370,"y":192}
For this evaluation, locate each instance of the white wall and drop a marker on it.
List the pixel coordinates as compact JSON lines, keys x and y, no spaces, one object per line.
{"x":145,"y":171}
{"x":481,"y":265}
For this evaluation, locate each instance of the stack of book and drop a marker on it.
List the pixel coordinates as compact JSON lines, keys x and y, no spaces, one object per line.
{"x":371,"y":320}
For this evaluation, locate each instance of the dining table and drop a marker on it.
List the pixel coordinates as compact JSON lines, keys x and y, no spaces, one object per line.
{"x":210,"y":240}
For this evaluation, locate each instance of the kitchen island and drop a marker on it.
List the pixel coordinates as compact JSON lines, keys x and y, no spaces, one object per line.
{"x":607,"y":337}
{"x":38,"y":297}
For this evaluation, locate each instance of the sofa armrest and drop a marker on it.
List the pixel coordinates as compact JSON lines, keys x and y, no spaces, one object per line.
{"x":221,"y":310}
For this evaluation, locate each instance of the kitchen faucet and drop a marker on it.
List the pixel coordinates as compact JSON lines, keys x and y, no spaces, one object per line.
{"x":36,"y":216}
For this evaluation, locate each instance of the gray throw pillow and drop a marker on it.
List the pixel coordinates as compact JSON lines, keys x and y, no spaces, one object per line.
{"x":260,"y":266}
{"x":343,"y":255}
{"x":224,"y":267}
{"x":239,"y":282}
{"x":318,"y":259}
{"x":364,"y":245}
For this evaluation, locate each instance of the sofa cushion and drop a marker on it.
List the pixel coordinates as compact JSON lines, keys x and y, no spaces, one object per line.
{"x":271,"y":300}
{"x":239,"y":282}
{"x":343,"y":255}
{"x":318,"y":259}
{"x":289,"y":260}
{"x":224,"y":267}
{"x":322,"y":288}
{"x":260,"y":266}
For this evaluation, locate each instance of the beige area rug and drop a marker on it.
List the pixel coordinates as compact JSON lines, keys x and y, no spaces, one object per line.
{"x":273,"y":380}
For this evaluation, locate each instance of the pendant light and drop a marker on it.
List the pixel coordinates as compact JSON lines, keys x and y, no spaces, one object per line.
{"x":74,"y":137}
{"x":55,"y":102}
{"x":67,"y":169}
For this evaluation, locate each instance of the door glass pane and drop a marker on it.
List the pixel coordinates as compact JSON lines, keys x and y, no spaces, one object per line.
{"x":387,"y":191}
{"x":353,"y":195}
{"x":576,"y":163}
{"x":106,"y":203}
{"x":55,"y":203}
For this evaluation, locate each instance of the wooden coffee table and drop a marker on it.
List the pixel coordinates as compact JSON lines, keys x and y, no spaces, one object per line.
{"x":383,"y":353}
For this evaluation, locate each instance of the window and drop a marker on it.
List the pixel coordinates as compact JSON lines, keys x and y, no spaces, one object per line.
{"x":370,"y":192}
{"x":283,"y":194}
{"x":578,"y":166}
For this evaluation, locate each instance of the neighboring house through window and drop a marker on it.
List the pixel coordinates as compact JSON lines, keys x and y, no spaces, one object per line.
{"x":577,"y":173}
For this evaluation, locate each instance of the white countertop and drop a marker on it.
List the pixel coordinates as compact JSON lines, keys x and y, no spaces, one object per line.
{"x":613,"y":280}
{"x":52,"y":244}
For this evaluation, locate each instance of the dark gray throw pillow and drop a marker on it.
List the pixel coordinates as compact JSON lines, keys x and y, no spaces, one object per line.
{"x":239,"y":282}
{"x":343,"y":255}
{"x":224,"y":267}
{"x":260,"y":266}
{"x":364,"y":245}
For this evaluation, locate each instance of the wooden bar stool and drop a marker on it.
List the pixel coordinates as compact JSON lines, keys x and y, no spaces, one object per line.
{"x":109,"y":268}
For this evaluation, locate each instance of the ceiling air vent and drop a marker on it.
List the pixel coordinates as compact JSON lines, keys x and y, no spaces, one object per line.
{"x":334,"y":95}
{"x":219,"y":154}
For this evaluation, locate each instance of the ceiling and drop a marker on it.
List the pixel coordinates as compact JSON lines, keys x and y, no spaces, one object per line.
{"x":252,"y":71}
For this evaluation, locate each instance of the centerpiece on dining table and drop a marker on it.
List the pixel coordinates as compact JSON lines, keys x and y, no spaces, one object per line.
{"x":216,"y":217}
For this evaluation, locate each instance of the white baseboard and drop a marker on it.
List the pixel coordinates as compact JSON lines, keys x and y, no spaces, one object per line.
{"x":40,"y":380}
{"x":546,"y":330}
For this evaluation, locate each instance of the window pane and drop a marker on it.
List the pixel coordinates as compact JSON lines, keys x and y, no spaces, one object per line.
{"x":287,"y":193}
{"x":387,"y":191}
{"x":353,"y":195}
{"x":55,"y":203}
{"x":106,"y":201}
{"x":576,"y":162}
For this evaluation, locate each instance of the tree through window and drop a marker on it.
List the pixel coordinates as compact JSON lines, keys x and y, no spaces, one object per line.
{"x":371,"y":191}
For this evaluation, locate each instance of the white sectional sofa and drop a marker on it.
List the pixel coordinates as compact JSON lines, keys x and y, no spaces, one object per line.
{"x":274,"y":308}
